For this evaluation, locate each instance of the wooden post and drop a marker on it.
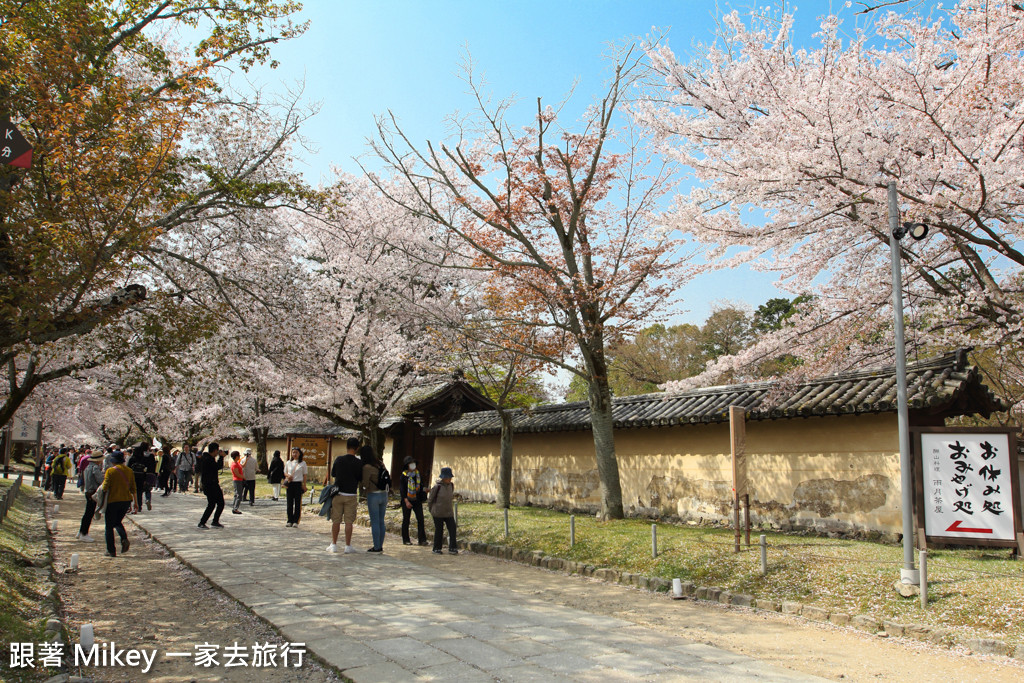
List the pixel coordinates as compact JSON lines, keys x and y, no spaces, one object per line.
{"x":746,"y":517}
{"x":8,"y":435}
{"x":736,"y":521}
{"x":737,"y":439}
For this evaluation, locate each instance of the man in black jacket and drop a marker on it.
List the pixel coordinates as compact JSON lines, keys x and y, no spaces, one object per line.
{"x":208,"y":465}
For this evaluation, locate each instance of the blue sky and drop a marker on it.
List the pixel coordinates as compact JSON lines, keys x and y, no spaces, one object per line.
{"x":363,"y":58}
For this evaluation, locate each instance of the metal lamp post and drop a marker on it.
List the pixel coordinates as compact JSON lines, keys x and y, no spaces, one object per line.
{"x":897,"y":232}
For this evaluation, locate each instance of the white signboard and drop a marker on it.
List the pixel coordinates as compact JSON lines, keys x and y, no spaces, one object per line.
{"x":967,"y":485}
{"x":23,"y":430}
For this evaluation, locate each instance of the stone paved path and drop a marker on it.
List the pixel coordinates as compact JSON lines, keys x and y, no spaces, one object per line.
{"x":378,"y":618}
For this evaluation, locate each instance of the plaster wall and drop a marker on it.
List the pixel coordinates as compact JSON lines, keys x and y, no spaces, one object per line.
{"x":228,"y":445}
{"x":827,"y":473}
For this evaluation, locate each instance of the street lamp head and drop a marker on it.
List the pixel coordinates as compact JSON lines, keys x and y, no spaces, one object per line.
{"x":918,"y":231}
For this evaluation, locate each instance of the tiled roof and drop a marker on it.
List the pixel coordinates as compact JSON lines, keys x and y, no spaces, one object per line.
{"x":943,"y":385}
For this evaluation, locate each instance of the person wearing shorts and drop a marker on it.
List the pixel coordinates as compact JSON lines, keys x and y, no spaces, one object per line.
{"x":348,"y":473}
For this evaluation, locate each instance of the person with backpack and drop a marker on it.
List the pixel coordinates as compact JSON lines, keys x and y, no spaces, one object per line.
{"x":376,"y":482}
{"x":59,"y":470}
{"x":92,"y":479}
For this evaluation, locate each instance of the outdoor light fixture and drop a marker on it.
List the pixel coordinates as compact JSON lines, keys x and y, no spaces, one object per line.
{"x":897,"y":231}
{"x":918,"y":231}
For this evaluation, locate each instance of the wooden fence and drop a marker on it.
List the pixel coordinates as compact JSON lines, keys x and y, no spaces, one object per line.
{"x":8,"y":498}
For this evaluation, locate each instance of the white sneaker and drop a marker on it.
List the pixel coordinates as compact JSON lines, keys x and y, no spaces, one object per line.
{"x":86,"y":539}
{"x":78,"y":536}
{"x":332,"y":548}
{"x":350,"y":549}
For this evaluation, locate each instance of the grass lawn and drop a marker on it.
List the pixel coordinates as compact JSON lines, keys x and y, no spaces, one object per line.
{"x":263,"y":489}
{"x":21,"y":537}
{"x":975,"y":592}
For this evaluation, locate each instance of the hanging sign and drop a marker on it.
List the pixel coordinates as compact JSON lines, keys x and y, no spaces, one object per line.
{"x":967,"y":486}
{"x":14,"y":148}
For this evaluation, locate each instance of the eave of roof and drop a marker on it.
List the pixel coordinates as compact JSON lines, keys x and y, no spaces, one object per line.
{"x":942,"y":385}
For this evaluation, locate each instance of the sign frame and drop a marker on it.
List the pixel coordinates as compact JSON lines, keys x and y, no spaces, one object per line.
{"x":24,"y":431}
{"x":926,"y":540}
{"x":291,"y":438}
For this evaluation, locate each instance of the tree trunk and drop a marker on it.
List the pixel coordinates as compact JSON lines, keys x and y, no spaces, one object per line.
{"x":261,"y":435}
{"x":505,"y":461}
{"x":376,"y":439}
{"x":600,"y":398}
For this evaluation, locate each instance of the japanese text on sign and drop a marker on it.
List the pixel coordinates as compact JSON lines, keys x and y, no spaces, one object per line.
{"x":967,"y":489}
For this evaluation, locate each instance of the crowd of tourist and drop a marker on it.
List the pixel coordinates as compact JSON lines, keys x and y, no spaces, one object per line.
{"x":116,"y":485}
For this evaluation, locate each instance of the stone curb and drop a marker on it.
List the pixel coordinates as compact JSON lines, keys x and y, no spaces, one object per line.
{"x":861,"y":622}
{"x":55,"y":628}
{"x":216,"y":586}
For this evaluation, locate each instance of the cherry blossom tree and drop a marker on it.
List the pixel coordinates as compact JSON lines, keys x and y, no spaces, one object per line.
{"x":140,"y":150}
{"x":812,"y":137}
{"x":563,"y":215}
{"x":357,"y":336}
{"x":487,"y":337}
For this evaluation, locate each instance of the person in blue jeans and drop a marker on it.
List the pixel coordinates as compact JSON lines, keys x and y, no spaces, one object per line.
{"x":376,"y":498}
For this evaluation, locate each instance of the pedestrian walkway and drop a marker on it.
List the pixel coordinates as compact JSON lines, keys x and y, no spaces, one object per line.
{"x":379,"y":618}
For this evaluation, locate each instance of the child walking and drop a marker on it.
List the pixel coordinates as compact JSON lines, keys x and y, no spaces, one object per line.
{"x":441,"y":503}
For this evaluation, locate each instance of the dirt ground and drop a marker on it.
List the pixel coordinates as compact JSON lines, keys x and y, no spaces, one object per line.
{"x":147,"y":599}
{"x":170,"y":605}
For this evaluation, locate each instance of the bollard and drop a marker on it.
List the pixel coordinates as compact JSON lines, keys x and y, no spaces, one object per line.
{"x":56,"y":509}
{"x":455,"y":509}
{"x":73,"y":564}
{"x":85,"y":638}
{"x":764,"y":554}
{"x":677,"y":589}
{"x":572,"y":530}
{"x":506,"y":522}
{"x":924,"y":578}
{"x":654,"y":540}
{"x":53,"y":527}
